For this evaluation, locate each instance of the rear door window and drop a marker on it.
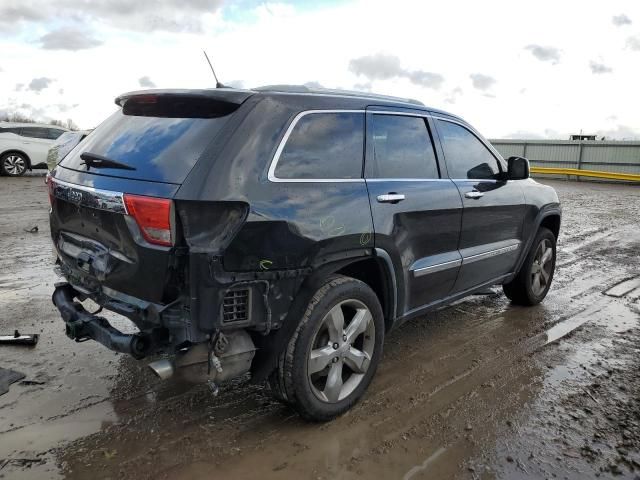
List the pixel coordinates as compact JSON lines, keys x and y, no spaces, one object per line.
{"x":323,"y":146}
{"x":15,"y":130}
{"x":466,"y":155}
{"x":160,"y":140}
{"x":402,"y":148}
{"x":35,"y":132}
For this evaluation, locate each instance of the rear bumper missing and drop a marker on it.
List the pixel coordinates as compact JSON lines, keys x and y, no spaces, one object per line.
{"x":82,"y":325}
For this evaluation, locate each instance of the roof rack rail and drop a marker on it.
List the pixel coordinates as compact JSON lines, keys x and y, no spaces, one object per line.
{"x":331,"y":91}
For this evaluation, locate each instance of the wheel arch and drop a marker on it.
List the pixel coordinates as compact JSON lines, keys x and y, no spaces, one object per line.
{"x":371,"y":269}
{"x":19,"y":152}
{"x":552,"y":222}
{"x":547,"y":217}
{"x":374,"y":271}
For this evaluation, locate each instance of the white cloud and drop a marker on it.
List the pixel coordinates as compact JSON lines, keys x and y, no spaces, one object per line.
{"x":39,"y":84}
{"x":386,"y":67}
{"x":621,"y":20}
{"x":136,"y":15}
{"x":598,"y":68}
{"x":283,"y":43}
{"x":545,"y":53}
{"x":633,"y":43}
{"x":481,"y":81}
{"x":452,"y":97}
{"x":69,"y":38}
{"x":146,"y":82}
{"x":620,"y":132}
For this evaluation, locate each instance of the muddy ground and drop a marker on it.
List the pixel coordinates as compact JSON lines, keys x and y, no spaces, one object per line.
{"x":479,"y":390}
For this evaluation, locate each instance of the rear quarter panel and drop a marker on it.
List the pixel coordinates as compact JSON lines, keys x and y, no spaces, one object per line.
{"x":290,"y":226}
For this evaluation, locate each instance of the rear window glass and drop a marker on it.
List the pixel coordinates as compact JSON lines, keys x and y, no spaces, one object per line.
{"x":161,"y":149}
{"x":324,"y":146}
{"x":54,"y":133}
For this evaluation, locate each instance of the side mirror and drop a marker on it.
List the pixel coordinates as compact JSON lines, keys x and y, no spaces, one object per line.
{"x":518,"y":168}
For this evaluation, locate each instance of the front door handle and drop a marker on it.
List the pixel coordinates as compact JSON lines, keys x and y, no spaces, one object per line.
{"x":390,"y":198}
{"x":474,"y":194}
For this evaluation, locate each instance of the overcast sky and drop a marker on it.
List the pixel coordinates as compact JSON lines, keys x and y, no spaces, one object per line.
{"x":540,"y":69}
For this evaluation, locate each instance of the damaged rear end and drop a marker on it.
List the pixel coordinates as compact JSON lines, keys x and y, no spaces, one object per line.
{"x":126,"y":240}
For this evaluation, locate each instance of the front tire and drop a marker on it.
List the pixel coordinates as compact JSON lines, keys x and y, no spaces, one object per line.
{"x":332,"y":356}
{"x":13,"y":164}
{"x":533,"y":281}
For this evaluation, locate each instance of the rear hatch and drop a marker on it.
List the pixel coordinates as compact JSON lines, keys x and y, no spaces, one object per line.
{"x":113,"y":220}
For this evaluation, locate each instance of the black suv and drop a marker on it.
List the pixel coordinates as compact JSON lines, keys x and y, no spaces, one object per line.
{"x":284,"y":231}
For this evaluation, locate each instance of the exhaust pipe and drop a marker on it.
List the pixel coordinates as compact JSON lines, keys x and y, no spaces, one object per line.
{"x":193,"y":365}
{"x":164,"y":369}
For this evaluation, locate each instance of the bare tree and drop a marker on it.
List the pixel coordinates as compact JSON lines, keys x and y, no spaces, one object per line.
{"x":16,"y":117}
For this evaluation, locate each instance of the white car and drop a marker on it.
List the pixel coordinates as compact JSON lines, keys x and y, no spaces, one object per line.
{"x":24,"y":146}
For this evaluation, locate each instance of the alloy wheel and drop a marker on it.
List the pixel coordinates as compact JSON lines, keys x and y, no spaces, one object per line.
{"x":542,"y":267}
{"x":341,"y":351}
{"x":14,"y":165}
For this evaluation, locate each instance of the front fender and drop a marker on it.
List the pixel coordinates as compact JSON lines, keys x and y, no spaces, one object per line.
{"x":530,"y":231}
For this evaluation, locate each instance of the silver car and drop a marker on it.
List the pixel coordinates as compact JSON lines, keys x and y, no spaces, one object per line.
{"x":63,"y":145}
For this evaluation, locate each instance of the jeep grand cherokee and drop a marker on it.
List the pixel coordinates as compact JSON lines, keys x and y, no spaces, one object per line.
{"x":284,"y":231}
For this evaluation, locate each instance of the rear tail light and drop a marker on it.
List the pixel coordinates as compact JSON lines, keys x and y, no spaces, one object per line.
{"x":153,"y":216}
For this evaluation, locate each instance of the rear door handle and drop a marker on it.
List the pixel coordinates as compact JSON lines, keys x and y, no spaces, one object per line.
{"x":390,"y":198}
{"x":474,"y":194}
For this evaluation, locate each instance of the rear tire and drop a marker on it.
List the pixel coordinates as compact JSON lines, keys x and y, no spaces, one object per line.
{"x":333,"y":354}
{"x":533,"y":281}
{"x":13,"y":164}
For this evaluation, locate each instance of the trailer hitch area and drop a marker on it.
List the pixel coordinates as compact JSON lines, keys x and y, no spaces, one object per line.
{"x":82,"y":325}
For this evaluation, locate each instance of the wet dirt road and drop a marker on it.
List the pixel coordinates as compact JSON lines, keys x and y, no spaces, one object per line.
{"x":480,"y":389}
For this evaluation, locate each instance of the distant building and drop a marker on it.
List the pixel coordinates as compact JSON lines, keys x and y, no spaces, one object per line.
{"x":582,"y":137}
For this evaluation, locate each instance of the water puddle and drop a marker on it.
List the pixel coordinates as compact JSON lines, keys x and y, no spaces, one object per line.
{"x":424,"y":465}
{"x":565,"y":327}
{"x":624,"y":288}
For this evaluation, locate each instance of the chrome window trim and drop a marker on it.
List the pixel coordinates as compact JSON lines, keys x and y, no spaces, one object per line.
{"x":271,"y":175}
{"x":491,"y":253}
{"x":419,"y":272}
{"x":408,"y":179}
{"x":482,"y":180}
{"x":474,"y":180}
{"x":95,"y":198}
{"x":394,"y":112}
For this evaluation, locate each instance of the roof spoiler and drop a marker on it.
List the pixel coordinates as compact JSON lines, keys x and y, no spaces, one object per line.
{"x":227,"y":95}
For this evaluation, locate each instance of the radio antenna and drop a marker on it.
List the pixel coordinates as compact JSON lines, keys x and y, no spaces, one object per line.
{"x":218,"y":84}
